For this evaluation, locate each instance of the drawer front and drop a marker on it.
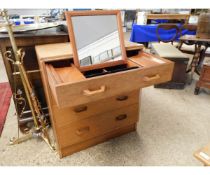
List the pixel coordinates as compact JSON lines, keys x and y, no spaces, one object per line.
{"x":63,"y":116}
{"x":94,"y":89}
{"x":83,"y":130}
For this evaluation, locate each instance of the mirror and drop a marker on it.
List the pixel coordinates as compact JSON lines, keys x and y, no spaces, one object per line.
{"x":97,"y":39}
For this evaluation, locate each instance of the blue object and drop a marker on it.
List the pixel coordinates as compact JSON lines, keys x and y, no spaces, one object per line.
{"x":28,"y":22}
{"x":159,"y":21}
{"x":147,"y":33}
{"x":17,"y":23}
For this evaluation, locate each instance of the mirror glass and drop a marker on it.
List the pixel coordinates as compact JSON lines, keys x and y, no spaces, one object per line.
{"x":97,"y":39}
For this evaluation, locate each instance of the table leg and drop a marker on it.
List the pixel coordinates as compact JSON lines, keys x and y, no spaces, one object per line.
{"x":195,"y":61}
{"x":200,"y":61}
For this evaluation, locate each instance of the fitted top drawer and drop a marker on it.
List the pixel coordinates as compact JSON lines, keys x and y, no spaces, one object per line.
{"x":70,"y":87}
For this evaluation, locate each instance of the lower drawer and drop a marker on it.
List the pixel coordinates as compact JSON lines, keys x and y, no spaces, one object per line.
{"x":64,"y":116}
{"x":83,"y":130}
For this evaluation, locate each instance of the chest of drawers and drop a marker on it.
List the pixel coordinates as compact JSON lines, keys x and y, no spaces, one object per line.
{"x":86,"y":111}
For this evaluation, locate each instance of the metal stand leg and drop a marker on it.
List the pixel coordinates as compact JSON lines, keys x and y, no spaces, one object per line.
{"x":14,"y":140}
{"x":33,"y":134}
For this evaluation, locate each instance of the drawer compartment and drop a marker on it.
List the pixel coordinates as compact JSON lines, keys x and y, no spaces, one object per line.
{"x":70,"y":87}
{"x":71,"y":114}
{"x":97,"y":125}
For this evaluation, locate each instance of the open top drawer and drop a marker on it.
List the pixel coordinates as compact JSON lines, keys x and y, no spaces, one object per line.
{"x":70,"y":87}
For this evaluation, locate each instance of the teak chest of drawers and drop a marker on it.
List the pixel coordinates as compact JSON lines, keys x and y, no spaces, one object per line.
{"x":87,"y":111}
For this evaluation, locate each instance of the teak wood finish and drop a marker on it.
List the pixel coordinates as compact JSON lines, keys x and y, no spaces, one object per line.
{"x":70,"y":14}
{"x":82,"y":118}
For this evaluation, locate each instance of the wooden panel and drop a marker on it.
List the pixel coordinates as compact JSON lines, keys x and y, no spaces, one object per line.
{"x":169,"y":16}
{"x":78,"y":147}
{"x":56,"y":51}
{"x":71,"y":114}
{"x":133,"y":46}
{"x":59,"y":51}
{"x":97,"y":125}
{"x":152,"y":70}
{"x":193,"y":38}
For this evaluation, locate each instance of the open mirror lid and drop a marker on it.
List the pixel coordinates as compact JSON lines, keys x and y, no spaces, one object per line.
{"x":97,"y":38}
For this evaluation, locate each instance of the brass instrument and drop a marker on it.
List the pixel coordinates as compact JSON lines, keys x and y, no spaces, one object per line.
{"x":40,"y":124}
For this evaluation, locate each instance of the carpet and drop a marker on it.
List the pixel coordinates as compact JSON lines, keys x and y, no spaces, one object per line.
{"x":5,"y":96}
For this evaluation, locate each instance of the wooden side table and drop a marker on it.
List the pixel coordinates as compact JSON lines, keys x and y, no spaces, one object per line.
{"x":199,"y":52}
{"x":204,"y":80}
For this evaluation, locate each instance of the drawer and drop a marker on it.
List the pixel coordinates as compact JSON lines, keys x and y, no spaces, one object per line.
{"x":70,"y":87}
{"x":206,"y":73}
{"x":63,"y":116}
{"x":83,"y":130}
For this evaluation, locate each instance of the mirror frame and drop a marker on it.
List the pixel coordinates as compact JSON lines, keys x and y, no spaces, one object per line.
{"x":70,"y":14}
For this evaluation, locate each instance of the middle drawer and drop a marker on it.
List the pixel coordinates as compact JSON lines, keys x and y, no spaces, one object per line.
{"x":64,"y":116}
{"x":97,"y":125}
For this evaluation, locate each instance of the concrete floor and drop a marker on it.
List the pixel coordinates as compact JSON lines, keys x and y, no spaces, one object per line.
{"x":173,"y":124}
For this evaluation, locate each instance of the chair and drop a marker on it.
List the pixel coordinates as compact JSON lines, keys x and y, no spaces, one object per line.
{"x":166,"y":49}
{"x":187,"y":47}
{"x":167,"y":27}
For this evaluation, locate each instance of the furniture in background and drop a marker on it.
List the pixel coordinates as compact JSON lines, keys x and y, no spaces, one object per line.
{"x":168,"y":51}
{"x":203,"y":30}
{"x":177,"y":17}
{"x":201,"y":45}
{"x":27,"y":41}
{"x":204,"y":79}
{"x":187,"y":46}
{"x":203,"y":155}
{"x":167,"y":27}
{"x":87,"y":111}
{"x":147,"y":33}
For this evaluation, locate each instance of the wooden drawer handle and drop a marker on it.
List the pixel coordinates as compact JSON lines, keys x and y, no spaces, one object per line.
{"x":155,"y":77}
{"x":121,"y":117}
{"x":80,"y":109}
{"x":122,"y":98}
{"x":83,"y":130}
{"x":88,"y":92}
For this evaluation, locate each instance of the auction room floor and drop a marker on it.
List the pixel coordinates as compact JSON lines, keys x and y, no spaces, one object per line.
{"x":173,"y":124}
